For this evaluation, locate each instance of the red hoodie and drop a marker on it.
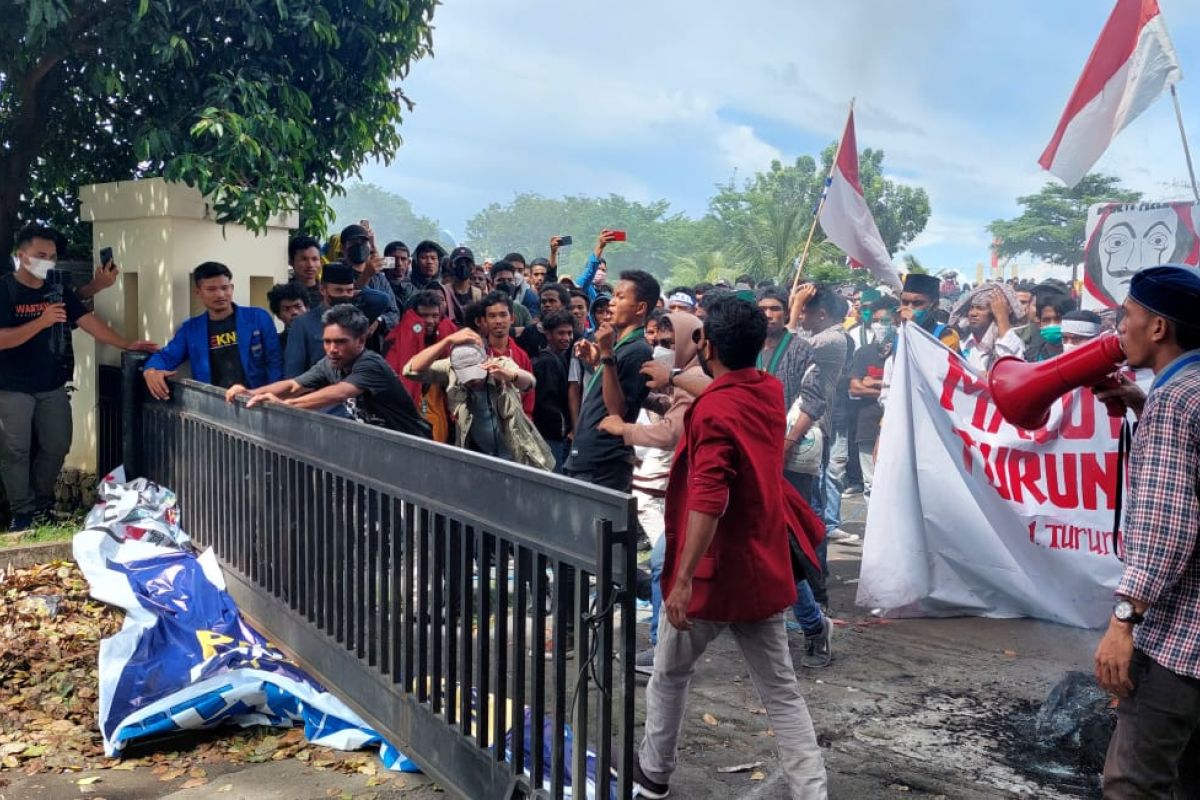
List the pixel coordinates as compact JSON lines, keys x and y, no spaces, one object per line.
{"x":405,"y":341}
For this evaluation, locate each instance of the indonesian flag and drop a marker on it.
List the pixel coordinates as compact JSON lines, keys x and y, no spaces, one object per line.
{"x":1130,"y":66}
{"x":846,"y":218}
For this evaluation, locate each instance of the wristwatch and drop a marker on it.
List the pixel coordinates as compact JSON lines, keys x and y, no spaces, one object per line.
{"x":1125,"y":612}
{"x":671,"y":377}
{"x":608,"y":360}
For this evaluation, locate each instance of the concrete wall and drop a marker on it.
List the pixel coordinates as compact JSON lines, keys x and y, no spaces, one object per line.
{"x":159,"y":232}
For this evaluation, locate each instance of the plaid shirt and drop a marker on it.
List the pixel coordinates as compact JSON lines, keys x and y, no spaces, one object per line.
{"x":1162,"y":564}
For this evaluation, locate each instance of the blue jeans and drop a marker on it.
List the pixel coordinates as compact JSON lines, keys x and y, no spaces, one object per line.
{"x":806,"y":610}
{"x":831,"y":507}
{"x":658,"y":554}
{"x":561,"y":448}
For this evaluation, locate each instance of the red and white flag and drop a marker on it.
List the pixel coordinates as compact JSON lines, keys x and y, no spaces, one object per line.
{"x":846,"y":218}
{"x":1130,"y":66}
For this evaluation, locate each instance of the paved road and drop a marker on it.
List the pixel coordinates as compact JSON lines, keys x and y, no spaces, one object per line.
{"x":909,"y":708}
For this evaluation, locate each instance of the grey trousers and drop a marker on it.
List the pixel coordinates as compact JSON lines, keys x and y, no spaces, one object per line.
{"x":29,"y":478}
{"x":764,"y":645}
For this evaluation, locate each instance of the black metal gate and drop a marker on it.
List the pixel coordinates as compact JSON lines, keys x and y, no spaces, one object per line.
{"x":422,"y":583}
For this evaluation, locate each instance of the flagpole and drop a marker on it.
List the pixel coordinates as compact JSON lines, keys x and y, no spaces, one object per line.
{"x":1187,"y":152}
{"x":820,"y":205}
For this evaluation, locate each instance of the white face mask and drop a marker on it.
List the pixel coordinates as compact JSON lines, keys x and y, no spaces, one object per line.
{"x":40,"y":267}
{"x":664,"y":356}
{"x":1069,"y":346}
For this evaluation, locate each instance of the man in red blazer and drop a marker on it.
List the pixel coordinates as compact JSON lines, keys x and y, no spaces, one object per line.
{"x":728,"y":562}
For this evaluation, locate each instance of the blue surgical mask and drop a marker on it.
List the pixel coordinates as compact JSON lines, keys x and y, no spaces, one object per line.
{"x":1052,"y":333}
{"x":921,"y":315}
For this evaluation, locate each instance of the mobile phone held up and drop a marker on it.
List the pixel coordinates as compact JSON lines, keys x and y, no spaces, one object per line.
{"x":105,"y":256}
{"x":564,"y":241}
{"x":618,"y":236}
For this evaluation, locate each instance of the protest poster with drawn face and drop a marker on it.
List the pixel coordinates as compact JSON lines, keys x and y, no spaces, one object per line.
{"x":1123,"y":238}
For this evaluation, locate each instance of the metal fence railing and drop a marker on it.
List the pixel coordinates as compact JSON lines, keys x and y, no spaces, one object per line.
{"x":421,"y":582}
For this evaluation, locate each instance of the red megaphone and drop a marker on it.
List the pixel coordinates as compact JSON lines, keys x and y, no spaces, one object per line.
{"x":1024,"y":392}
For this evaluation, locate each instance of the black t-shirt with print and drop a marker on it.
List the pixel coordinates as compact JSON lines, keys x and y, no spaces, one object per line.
{"x":592,"y":447}
{"x":384,"y":400}
{"x":224,"y":359}
{"x":33,"y":366}
{"x":868,"y":363}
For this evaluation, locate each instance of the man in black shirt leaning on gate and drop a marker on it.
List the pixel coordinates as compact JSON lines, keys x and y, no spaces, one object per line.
{"x":348,"y":375}
{"x":37,"y":314}
{"x":617,"y":388}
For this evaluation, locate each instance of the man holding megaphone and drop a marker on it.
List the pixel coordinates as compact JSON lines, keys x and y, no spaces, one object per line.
{"x":1150,"y":654}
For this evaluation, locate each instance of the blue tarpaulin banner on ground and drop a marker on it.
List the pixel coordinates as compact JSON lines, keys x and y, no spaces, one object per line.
{"x":185,"y":659}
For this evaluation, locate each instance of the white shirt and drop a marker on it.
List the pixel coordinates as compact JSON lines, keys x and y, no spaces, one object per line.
{"x":1009,"y":344}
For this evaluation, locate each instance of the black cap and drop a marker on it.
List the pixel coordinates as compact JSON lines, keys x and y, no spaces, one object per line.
{"x":460,"y":253}
{"x":338,"y":273}
{"x":354,"y":232}
{"x":927,"y":285}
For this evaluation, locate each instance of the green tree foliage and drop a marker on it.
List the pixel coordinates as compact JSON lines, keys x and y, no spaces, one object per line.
{"x":766,"y":220}
{"x":706,"y":267}
{"x":1052,"y":222}
{"x":912,"y":265}
{"x":262,"y":105}
{"x":526,"y":223}
{"x":391,"y":216}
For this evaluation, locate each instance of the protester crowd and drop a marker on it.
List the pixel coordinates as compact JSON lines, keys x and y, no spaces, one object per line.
{"x":595,"y":377}
{"x":589,"y":377}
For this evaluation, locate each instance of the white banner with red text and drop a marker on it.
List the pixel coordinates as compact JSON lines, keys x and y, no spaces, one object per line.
{"x":972,"y":516}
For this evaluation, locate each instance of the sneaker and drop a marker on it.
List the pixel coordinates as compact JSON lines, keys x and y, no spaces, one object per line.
{"x":790,"y":624}
{"x":644,"y":787}
{"x":644,"y":663}
{"x":817,"y":652}
{"x":852,"y":491}
{"x":839,"y":535}
{"x":21,"y":522}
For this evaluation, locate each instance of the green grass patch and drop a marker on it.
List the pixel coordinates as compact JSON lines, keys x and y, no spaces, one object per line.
{"x":59,"y":531}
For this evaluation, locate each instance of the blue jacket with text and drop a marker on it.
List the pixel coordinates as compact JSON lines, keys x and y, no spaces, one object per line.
{"x":258,"y":346}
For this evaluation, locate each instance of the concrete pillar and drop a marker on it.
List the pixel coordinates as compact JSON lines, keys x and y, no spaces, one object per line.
{"x":159,"y":232}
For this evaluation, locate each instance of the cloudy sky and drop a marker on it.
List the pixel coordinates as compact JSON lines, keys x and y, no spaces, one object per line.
{"x":665,"y":98}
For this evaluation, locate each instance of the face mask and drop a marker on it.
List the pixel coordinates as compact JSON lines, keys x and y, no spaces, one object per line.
{"x":883,"y":332}
{"x":358,"y":253}
{"x":461,"y":270}
{"x":1069,"y":346}
{"x":1052,"y":333}
{"x":40,"y":268}
{"x":919,"y":316}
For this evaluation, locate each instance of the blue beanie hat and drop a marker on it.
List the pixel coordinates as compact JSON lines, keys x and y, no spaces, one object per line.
{"x":1169,"y":290}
